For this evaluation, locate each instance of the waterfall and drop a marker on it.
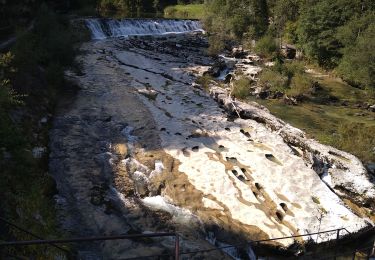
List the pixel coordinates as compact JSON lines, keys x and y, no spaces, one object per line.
{"x":106,"y":28}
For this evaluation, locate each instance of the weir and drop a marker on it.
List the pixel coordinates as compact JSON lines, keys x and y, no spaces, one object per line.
{"x":108,"y":28}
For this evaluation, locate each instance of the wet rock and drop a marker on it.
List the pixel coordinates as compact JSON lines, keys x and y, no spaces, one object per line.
{"x":151,"y":94}
{"x":371,"y":168}
{"x":277,"y":95}
{"x":38,"y":152}
{"x":141,"y":183}
{"x":239,"y":53}
{"x":263,"y":94}
{"x":345,"y":103}
{"x":44,"y":120}
{"x":215,"y":70}
{"x":289,"y":51}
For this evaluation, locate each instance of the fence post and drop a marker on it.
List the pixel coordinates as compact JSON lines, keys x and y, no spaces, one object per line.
{"x":337,"y":242}
{"x":177,"y":247}
{"x":338,"y":235}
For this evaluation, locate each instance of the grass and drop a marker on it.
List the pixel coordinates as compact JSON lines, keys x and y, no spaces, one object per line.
{"x":190,"y":11}
{"x":332,"y":125}
{"x":322,"y":115}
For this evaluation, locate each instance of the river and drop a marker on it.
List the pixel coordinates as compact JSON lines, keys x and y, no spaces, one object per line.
{"x":142,"y":148}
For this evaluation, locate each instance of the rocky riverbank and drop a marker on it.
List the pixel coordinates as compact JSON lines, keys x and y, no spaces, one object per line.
{"x":142,"y":148}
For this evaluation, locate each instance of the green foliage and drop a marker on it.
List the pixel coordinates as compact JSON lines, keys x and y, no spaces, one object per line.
{"x":190,"y":11}
{"x":332,"y":33}
{"x":235,"y":19}
{"x":217,"y":44}
{"x":318,"y":25}
{"x":129,"y":7}
{"x":267,"y":47}
{"x":241,"y":88}
{"x":40,"y":57}
{"x":288,"y":78}
{"x":357,"y":139}
{"x":50,"y":45}
{"x":8,"y":96}
{"x":290,"y":32}
{"x":358,"y":63}
{"x":300,"y":86}
{"x":273,"y":80}
{"x":204,"y":81}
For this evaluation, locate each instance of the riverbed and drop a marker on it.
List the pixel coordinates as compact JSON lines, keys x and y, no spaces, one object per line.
{"x":142,"y":148}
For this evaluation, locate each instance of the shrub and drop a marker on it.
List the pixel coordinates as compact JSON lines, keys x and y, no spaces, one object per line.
{"x":241,"y":88}
{"x":217,"y":45}
{"x":7,"y":94}
{"x":273,"y":80}
{"x":300,"y":86}
{"x":267,"y":47}
{"x":294,"y":68}
{"x":204,"y":81}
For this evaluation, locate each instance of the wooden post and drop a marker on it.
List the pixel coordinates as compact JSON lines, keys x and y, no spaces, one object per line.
{"x":177,"y":247}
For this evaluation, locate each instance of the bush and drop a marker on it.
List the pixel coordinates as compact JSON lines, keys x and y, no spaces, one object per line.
{"x":294,"y":68}
{"x":204,"y":81}
{"x":8,"y":96}
{"x":217,"y":45}
{"x":241,"y":88}
{"x":40,"y":57}
{"x":358,"y":63}
{"x":267,"y":47}
{"x":49,"y":46}
{"x":273,"y":80}
{"x":300,"y":86}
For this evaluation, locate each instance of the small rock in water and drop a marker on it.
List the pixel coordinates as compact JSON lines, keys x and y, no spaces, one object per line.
{"x":43,"y":120}
{"x":38,"y":152}
{"x":151,"y":94}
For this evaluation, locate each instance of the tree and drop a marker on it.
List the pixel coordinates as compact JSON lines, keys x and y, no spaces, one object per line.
{"x":358,"y":63}
{"x":318,"y":25}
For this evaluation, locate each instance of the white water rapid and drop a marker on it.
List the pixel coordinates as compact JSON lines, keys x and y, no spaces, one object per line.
{"x":106,"y":28}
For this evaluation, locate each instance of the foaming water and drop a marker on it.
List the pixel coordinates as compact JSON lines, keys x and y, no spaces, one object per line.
{"x":107,"y":28}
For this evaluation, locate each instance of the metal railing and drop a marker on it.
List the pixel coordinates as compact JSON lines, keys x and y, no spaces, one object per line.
{"x":33,"y":235}
{"x":177,"y":253}
{"x":54,"y":242}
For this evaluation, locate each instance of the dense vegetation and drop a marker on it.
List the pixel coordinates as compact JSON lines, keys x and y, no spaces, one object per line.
{"x":139,"y":6}
{"x":31,"y":78}
{"x":335,"y":34}
{"x":336,"y":38}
